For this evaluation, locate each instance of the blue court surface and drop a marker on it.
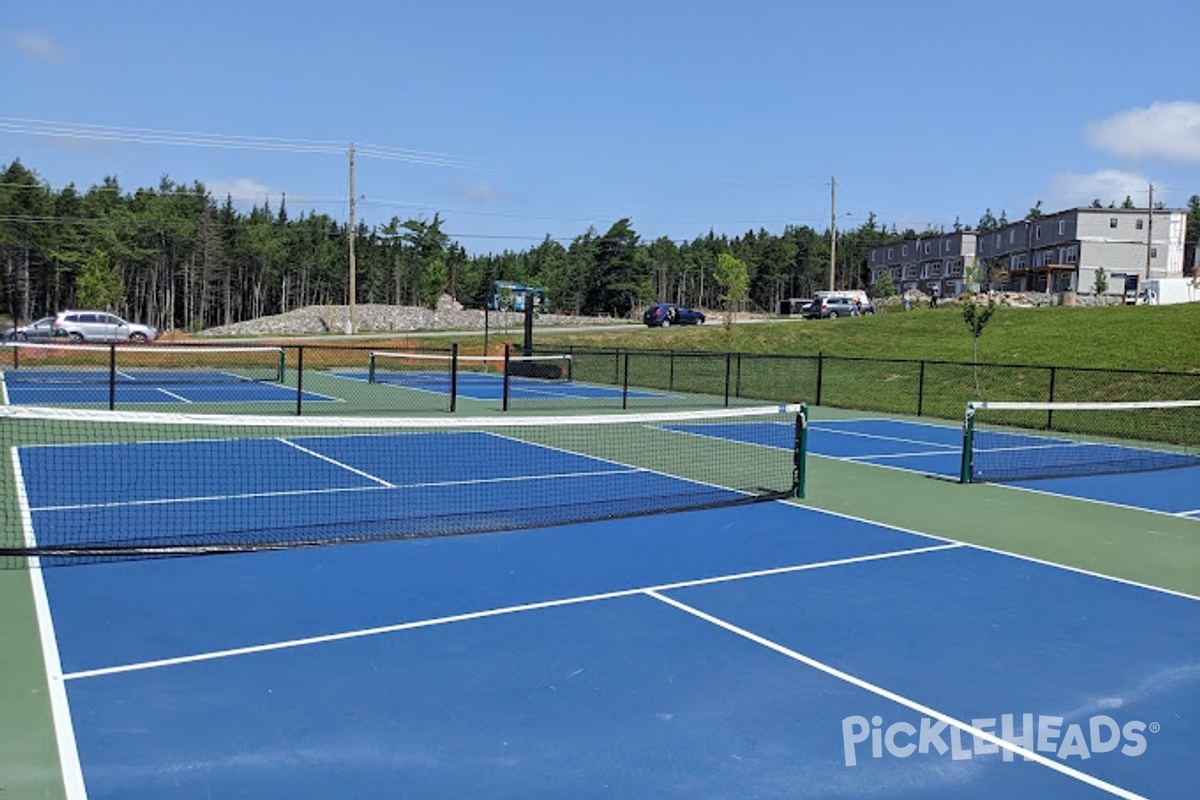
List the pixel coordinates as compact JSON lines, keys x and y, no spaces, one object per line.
{"x":936,"y":450}
{"x":45,"y":388}
{"x":766,"y":650}
{"x":490,"y":386}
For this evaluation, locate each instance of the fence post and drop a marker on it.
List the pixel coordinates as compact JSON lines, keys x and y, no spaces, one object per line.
{"x":728,"y":368}
{"x":454,"y":377}
{"x":112,"y":376}
{"x":921,"y":389}
{"x":820,"y":374}
{"x":1050,"y":412}
{"x":299,"y":379}
{"x":504,"y":393}
{"x":625,"y":385}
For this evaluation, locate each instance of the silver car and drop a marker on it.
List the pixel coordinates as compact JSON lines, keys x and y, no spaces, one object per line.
{"x":100,"y":326}
{"x":40,"y":331}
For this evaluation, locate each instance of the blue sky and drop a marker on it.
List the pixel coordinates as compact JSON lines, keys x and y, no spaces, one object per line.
{"x":521,"y":119}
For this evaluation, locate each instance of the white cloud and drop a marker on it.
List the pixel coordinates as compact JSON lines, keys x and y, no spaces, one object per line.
{"x":1070,"y":190}
{"x":38,"y":46}
{"x":482,"y":192}
{"x":1169,"y":131}
{"x":242,"y":190}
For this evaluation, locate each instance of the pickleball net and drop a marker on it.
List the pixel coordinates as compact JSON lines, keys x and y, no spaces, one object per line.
{"x":444,"y":373}
{"x":385,"y":366}
{"x":96,"y":485}
{"x":1013,"y":441}
{"x":68,"y":363}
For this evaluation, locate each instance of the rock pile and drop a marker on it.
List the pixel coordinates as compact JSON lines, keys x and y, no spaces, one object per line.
{"x":379,"y":318}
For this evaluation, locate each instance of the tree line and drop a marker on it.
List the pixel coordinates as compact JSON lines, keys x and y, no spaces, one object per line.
{"x":176,"y":258}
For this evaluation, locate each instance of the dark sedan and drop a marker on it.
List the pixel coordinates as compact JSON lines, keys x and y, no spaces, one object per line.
{"x":664,"y":315}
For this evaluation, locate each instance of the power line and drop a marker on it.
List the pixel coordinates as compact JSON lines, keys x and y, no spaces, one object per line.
{"x":81,"y":130}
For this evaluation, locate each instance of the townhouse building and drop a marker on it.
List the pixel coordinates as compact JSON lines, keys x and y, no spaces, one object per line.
{"x":940,"y":264}
{"x":1059,"y":252}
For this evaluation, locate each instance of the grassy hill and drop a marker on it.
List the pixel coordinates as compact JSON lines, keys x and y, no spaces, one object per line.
{"x":1115,"y":337}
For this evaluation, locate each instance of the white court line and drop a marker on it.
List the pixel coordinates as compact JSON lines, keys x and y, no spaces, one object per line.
{"x":162,"y":501}
{"x":996,"y":551}
{"x":924,"y":710}
{"x":178,"y":397}
{"x":496,"y":612}
{"x":885,"y":456}
{"x":1111,"y":503}
{"x":880,"y":437}
{"x":1054,"y":444}
{"x":60,"y":707}
{"x":336,"y":463}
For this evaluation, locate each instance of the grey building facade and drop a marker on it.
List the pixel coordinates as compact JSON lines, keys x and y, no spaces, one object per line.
{"x":940,"y":263}
{"x":1060,"y":252}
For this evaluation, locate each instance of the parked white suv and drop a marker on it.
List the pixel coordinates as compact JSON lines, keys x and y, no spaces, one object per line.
{"x":100,"y":326}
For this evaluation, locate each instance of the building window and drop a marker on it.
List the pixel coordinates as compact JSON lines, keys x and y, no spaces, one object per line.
{"x":890,"y":252}
{"x":1139,"y":223}
{"x":903,"y":250}
{"x":1037,"y":231}
{"x":1012,"y":235}
{"x":874,"y":256}
{"x":1112,"y":222}
{"x":948,"y":245}
{"x":1062,"y":227}
{"x":927,"y":245}
{"x":1154,"y":252}
{"x":999,"y":240}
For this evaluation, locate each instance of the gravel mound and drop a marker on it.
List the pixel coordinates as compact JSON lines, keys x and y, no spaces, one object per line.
{"x":378,"y":318}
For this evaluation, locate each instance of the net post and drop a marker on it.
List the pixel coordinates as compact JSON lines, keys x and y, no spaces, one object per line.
{"x":281,"y":372}
{"x":570,"y":367}
{"x":800,"y":454}
{"x":964,"y":474}
{"x":371,"y":368}
{"x":504,"y":393}
{"x":112,"y":376}
{"x":453,"y":377}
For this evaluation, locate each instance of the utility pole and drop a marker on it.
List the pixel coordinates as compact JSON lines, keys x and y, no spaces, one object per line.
{"x":1149,"y":229}
{"x":832,"y":229}
{"x":350,"y":320}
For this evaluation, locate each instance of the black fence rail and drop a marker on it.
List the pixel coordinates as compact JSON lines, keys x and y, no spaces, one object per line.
{"x":334,"y":379}
{"x":900,"y":386}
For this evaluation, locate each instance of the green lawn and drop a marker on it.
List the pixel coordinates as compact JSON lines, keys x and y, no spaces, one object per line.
{"x":1115,"y":337}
